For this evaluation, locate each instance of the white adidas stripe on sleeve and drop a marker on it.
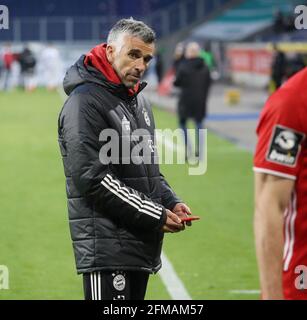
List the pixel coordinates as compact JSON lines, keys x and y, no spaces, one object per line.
{"x":131,"y":201}
{"x":134,"y":198}
{"x":109,"y":178}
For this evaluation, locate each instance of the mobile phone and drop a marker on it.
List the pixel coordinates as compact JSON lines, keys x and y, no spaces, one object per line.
{"x":190,"y":218}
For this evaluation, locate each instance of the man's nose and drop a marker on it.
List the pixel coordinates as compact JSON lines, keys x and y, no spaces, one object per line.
{"x":140,"y":65}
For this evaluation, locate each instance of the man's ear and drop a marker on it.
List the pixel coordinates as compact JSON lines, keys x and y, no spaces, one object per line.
{"x":110,"y":52}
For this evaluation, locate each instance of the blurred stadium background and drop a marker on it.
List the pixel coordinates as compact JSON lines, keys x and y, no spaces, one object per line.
{"x":215,"y":258}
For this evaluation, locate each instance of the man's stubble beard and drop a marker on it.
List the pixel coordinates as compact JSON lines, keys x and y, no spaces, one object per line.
{"x":122,"y":79}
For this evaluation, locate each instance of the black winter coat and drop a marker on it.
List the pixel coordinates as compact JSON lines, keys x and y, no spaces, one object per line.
{"x":193,"y":78}
{"x":116,"y":211}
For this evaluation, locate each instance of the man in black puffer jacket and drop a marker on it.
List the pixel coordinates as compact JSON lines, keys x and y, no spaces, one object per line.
{"x":193,"y":78}
{"x":118,"y":210}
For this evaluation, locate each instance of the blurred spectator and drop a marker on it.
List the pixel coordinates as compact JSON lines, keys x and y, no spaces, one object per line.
{"x":51,"y":65}
{"x":289,"y":23}
{"x":278,"y":67}
{"x":8,"y":60}
{"x":178,"y":55}
{"x":193,"y":78}
{"x":207,"y":56}
{"x":1,"y":65}
{"x":294,"y":65}
{"x":283,"y":23}
{"x":159,"y":66}
{"x":278,"y":25}
{"x":166,"y":83}
{"x":27,"y":63}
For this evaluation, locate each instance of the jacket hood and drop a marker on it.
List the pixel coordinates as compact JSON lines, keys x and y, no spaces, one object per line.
{"x":95,"y":68}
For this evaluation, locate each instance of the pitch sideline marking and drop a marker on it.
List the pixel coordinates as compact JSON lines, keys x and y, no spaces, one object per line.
{"x":172,"y":282}
{"x":245,"y":291}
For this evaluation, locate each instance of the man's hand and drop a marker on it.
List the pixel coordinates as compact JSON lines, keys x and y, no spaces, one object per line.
{"x":182,"y":211}
{"x":173,"y":223}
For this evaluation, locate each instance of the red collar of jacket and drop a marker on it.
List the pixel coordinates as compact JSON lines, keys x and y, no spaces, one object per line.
{"x":97,"y":58}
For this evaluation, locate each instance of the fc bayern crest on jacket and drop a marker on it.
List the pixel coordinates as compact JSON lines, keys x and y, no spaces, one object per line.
{"x":146,"y":117}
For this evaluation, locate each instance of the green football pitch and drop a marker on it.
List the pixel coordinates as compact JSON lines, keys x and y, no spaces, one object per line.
{"x":214,"y":258}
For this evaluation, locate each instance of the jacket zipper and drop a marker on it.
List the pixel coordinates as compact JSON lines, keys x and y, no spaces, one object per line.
{"x":133,"y":111}
{"x":146,"y":172}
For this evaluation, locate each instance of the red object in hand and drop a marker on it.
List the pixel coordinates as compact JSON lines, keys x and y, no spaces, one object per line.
{"x":191,"y":218}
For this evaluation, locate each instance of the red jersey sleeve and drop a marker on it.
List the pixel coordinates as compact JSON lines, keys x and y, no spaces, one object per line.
{"x":280,"y":136}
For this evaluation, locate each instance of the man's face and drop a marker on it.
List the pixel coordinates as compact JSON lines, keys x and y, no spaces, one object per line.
{"x":131,"y":59}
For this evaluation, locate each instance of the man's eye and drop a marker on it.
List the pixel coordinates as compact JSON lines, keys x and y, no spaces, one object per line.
{"x":147,"y":60}
{"x":133,"y":55}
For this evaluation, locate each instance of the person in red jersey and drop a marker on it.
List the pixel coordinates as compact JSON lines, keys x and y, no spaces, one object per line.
{"x":280,"y":166}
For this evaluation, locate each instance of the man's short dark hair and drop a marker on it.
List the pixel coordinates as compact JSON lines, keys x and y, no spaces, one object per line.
{"x":132,"y":27}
